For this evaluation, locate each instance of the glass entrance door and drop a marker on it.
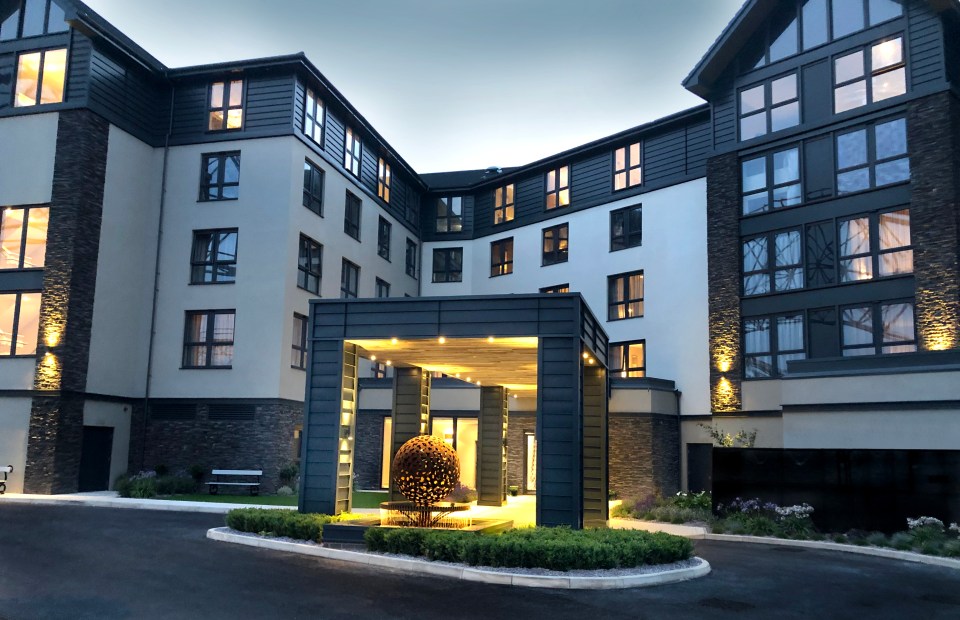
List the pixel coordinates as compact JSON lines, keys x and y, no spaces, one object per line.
{"x":461,"y":435}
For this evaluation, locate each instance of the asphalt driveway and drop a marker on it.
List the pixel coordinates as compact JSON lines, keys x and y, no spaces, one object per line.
{"x":79,"y":562}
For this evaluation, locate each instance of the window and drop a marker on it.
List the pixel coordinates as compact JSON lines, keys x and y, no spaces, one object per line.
{"x":351,"y":216}
{"x":627,"y":167}
{"x":771,"y":181}
{"x":878,"y":329}
{"x":769,"y":343}
{"x":208,"y":339}
{"x":503,"y":208}
{"x":501,"y":257}
{"x":411,"y":210}
{"x":30,"y":18}
{"x":449,"y":214}
{"x":19,"y":323}
{"x":214,"y":257}
{"x":626,"y":228}
{"x":769,"y":107}
{"x":383,"y":288}
{"x":410,"y":259}
{"x":352,"y":152}
{"x":298,"y":353}
{"x":383,"y":180}
{"x":23,"y":237}
{"x":378,"y":370}
{"x":313,"y":118}
{"x":220,"y":176}
{"x":40,"y":78}
{"x":226,"y":106}
{"x":349,"y":280}
{"x":628,"y":359}
{"x":861,"y":78}
{"x":558,"y":187}
{"x":875,"y":244}
{"x":313,"y":187}
{"x":625,"y":296}
{"x":309,"y":265}
{"x":557,"y":288}
{"x":555,"y":244}
{"x":872,"y":157}
{"x":772,"y":262}
{"x":448,"y":265}
{"x":384,"y":229}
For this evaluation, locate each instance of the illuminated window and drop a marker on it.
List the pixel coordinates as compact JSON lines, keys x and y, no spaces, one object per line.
{"x":625,"y":296}
{"x":628,"y":359}
{"x":558,"y":187}
{"x":869,"y":75}
{"x":309,"y":265}
{"x":383,"y":180}
{"x":30,"y":18}
{"x":19,"y":323}
{"x":769,"y":107}
{"x":501,"y":257}
{"x":503,"y":207}
{"x":771,"y":181}
{"x":40,"y":78}
{"x":872,"y":157}
{"x":556,"y":245}
{"x":627,"y":167}
{"x":382,"y":288}
{"x":449,"y":214}
{"x":351,"y":215}
{"x":208,"y":339}
{"x":23,"y":237}
{"x":313,"y":119}
{"x":875,"y":244}
{"x":352,"y":152}
{"x":214,"y":257}
{"x":313,"y":187}
{"x":626,"y":228}
{"x":298,"y":352}
{"x":772,"y":262}
{"x":385,"y":456}
{"x":349,"y":280}
{"x":384,"y":229}
{"x":878,"y":329}
{"x":220,"y":176}
{"x":410,"y":259}
{"x":448,"y":265}
{"x":769,"y":343}
{"x":226,"y":106}
{"x":558,"y":288}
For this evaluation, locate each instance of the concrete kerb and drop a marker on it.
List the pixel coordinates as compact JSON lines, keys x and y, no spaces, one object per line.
{"x":466,"y":573}
{"x":130,"y":503}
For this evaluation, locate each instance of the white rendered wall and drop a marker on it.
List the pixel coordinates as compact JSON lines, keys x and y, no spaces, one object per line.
{"x":674,"y":260}
{"x":116,"y":416}
{"x":29,"y":147}
{"x":14,"y":430}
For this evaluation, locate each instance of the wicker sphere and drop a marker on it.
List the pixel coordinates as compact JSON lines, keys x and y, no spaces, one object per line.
{"x":426,"y":469}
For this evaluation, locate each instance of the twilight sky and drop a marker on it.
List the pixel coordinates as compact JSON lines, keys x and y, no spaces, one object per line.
{"x":459,"y":84}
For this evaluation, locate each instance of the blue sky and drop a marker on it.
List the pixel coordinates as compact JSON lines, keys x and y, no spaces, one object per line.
{"x":459,"y":84}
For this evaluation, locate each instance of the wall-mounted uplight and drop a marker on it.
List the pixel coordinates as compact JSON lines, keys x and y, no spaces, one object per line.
{"x":52,"y":337}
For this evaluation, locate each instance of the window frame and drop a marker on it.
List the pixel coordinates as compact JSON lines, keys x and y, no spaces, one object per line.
{"x":352,"y":203}
{"x":41,"y":70}
{"x":225,"y":107}
{"x":624,"y":370}
{"x":18,"y":34}
{"x":384,"y":238}
{"x":504,"y":204}
{"x":450,"y":218}
{"x":631,"y":238}
{"x":220,"y":183}
{"x":209,"y":342}
{"x":352,"y":151}
{"x":556,"y":289}
{"x":629,"y":298}
{"x":869,"y":73}
{"x":771,"y":268}
{"x":25,"y":235}
{"x":195,"y":264}
{"x":15,"y":327}
{"x":501,"y":257}
{"x":560,"y":253}
{"x":774,"y":352}
{"x":299,"y":353}
{"x":628,"y":167}
{"x":876,"y":316}
{"x":317,"y":117}
{"x":874,"y":252}
{"x":559,"y":191}
{"x":771,"y":186}
{"x":410,"y":258}
{"x":769,"y":106}
{"x":346,"y":268}
{"x":447,"y":274}
{"x":304,"y":271}
{"x":872,"y":161}
{"x":312,"y":173}
{"x":384,"y":179}
{"x":381,"y":286}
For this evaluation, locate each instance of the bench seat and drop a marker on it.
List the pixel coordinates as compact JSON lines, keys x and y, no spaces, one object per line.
{"x":235,"y":478}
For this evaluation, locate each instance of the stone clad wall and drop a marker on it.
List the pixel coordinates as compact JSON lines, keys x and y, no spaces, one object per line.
{"x":644,"y":454}
{"x":368,"y":447}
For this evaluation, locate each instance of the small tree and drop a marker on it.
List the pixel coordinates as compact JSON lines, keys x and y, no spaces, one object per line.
{"x":742,"y":439}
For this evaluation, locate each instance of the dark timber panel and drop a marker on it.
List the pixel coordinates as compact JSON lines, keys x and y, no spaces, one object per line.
{"x":492,"y":447}
{"x":411,"y":411}
{"x":347,"y":428}
{"x":925,"y":46}
{"x":595,"y":502}
{"x":334,"y":137}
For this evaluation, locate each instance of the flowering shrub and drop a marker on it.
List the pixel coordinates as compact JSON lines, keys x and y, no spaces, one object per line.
{"x":681,"y":508}
{"x":698,"y":501}
{"x":925,"y":522}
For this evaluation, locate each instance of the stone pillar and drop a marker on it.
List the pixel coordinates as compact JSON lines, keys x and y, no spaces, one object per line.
{"x":411,"y":411}
{"x":595,"y":500}
{"x":492,"y":447}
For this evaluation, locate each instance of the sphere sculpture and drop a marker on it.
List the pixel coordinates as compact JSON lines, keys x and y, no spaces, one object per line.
{"x":425,"y":470}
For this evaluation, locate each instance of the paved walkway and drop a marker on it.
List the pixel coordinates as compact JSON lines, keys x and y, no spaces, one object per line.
{"x":79,"y":562}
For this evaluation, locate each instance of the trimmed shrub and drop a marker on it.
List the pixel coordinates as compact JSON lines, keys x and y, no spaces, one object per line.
{"x":878,"y":539}
{"x":286,"y":523}
{"x":284,"y":491}
{"x":139,"y":486}
{"x":175,"y":485}
{"x":901,"y":541}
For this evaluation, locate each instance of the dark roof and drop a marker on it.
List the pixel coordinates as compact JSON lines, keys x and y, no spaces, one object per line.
{"x":461,"y":178}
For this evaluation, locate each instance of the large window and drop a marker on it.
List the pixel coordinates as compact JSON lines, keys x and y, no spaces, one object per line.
{"x":298,"y":352}
{"x":557,"y":288}
{"x":869,"y":75}
{"x":220,"y":176}
{"x":382,"y":288}
{"x":214,"y":257}
{"x":313,"y":119}
{"x":349,"y":280}
{"x":448,"y":265}
{"x":555,"y":247}
{"x":226,"y":106}
{"x":872,"y":156}
{"x":771,"y":181}
{"x":410,"y":258}
{"x":351,"y":215}
{"x":875,"y":245}
{"x":769,"y":107}
{"x":627,"y":167}
{"x":626,"y":228}
{"x":30,"y":18}
{"x":625,"y":296}
{"x":309,"y":265}
{"x":879,"y":328}
{"x":503,"y":204}
{"x":313,"y":187}
{"x":40,"y":78}
{"x":384,"y":230}
{"x":352,"y":152}
{"x":558,"y":187}
{"x":501,"y":257}
{"x":383,"y":180}
{"x":19,"y":323}
{"x":769,"y":343}
{"x":23,"y":237}
{"x":449,"y":214}
{"x":628,"y":359}
{"x":208,"y":339}
{"x":773,"y":262}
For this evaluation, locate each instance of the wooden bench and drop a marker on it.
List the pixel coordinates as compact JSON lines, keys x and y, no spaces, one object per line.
{"x":3,"y":483}
{"x":248,"y":478}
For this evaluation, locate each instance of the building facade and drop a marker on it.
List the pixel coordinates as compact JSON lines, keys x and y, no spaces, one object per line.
{"x":783,"y":258}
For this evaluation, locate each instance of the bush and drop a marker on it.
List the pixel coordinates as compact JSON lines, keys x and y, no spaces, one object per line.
{"x":139,"y":486}
{"x":559,"y":549}
{"x":162,"y":470}
{"x":695,"y":501}
{"x":175,"y":485}
{"x":288,"y":474}
{"x":878,"y":539}
{"x":287,"y":523}
{"x":951,"y":549}
{"x":902,"y":541}
{"x":284,"y":491}
{"x":197,"y":472}
{"x":462,"y":495}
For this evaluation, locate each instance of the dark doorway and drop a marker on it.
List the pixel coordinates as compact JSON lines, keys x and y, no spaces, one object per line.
{"x":699,"y":467}
{"x":95,"y":458}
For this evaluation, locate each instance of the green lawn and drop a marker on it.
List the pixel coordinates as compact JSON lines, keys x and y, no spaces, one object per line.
{"x":263,"y":500}
{"x":369,"y":499}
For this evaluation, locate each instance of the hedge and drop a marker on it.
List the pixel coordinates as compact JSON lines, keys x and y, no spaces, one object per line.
{"x":286,"y":523}
{"x":560,"y":549}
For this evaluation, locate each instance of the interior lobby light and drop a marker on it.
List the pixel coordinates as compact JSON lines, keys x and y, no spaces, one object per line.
{"x":442,"y":340}
{"x":389,"y":363}
{"x":586,"y":355}
{"x":394,"y":341}
{"x":489,"y":338}
{"x":373,"y":358}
